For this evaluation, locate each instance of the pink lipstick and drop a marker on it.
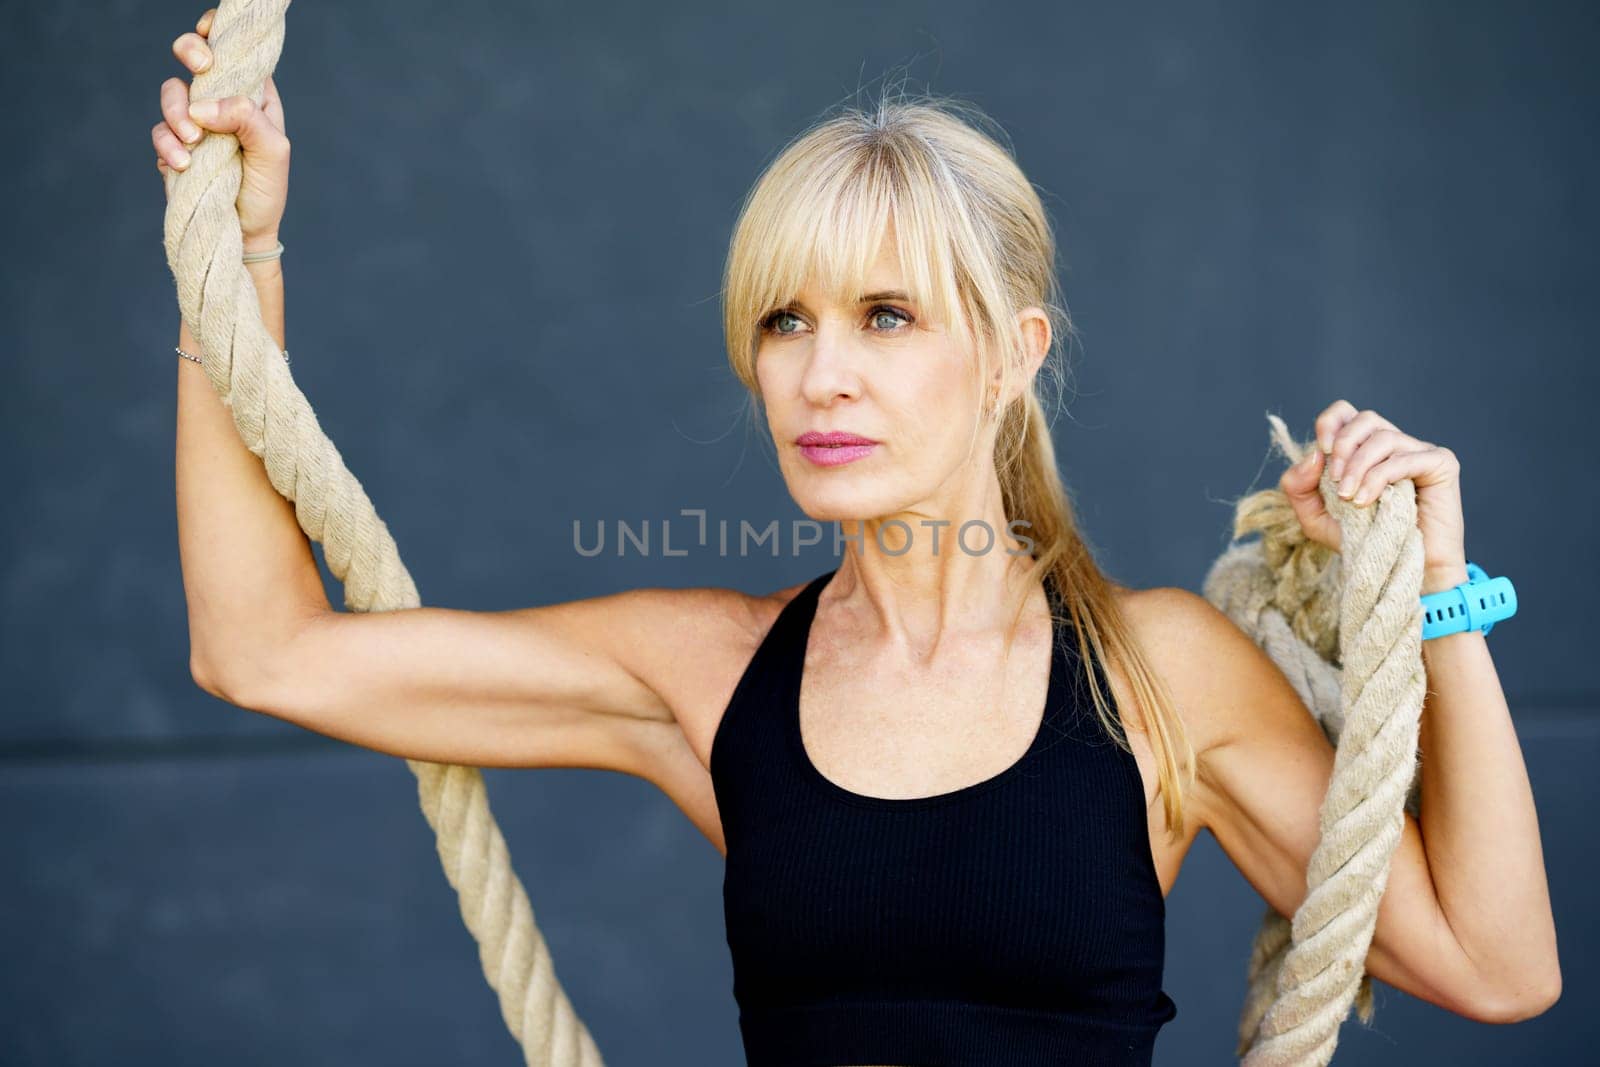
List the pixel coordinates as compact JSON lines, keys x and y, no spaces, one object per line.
{"x":834,"y":448}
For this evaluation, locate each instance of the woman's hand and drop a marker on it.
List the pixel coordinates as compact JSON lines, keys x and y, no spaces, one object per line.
{"x":263,"y":143}
{"x":1368,"y":453}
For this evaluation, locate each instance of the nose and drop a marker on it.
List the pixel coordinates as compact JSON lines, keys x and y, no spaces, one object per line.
{"x":830,"y":372}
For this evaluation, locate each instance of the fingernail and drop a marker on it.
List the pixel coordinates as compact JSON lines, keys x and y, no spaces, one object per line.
{"x":191,"y":133}
{"x":1338,"y":467}
{"x":182,"y":159}
{"x":203,"y":110}
{"x":1345,"y":487}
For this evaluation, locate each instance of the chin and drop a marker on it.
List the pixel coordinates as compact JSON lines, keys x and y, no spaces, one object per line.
{"x":862,"y":498}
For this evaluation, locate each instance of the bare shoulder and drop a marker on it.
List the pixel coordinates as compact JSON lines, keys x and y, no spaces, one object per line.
{"x":1190,"y":644}
{"x":692,"y":646}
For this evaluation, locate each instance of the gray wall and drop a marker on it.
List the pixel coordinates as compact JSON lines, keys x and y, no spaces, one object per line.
{"x":504,"y":244}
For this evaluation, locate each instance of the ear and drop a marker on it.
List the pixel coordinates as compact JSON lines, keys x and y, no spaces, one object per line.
{"x":1036,"y":333}
{"x":1036,"y":330}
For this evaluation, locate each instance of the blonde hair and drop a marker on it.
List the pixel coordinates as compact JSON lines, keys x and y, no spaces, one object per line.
{"x":976,"y":247}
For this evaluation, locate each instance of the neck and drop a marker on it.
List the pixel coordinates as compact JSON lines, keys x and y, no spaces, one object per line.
{"x":911,"y":572}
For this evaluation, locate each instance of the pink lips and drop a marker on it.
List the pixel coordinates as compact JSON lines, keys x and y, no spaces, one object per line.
{"x":835,"y":448}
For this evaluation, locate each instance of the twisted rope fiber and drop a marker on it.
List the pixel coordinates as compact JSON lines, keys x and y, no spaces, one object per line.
{"x":1346,"y":629}
{"x":244,"y":365}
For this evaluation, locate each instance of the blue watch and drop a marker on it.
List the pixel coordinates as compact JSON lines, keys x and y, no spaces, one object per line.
{"x":1476,"y":604}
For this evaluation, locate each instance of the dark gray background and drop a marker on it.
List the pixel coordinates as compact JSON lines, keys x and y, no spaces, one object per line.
{"x":505,"y":239}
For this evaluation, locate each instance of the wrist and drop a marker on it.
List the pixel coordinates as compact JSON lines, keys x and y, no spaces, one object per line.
{"x":265,"y":270}
{"x":1438,"y":577}
{"x":261,"y":242}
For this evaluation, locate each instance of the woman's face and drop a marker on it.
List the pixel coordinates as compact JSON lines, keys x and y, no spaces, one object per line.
{"x":876,"y":368}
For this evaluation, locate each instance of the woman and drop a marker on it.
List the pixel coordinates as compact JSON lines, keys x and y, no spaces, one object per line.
{"x":908,"y":879}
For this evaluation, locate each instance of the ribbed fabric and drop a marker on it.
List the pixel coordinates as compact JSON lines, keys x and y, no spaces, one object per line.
{"x":1015,"y":922}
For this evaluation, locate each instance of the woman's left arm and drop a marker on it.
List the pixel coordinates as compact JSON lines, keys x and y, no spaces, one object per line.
{"x":1466,"y":913}
{"x":1478,"y":819}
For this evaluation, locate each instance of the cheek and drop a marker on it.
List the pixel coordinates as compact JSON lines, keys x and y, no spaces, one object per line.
{"x":930,"y":418}
{"x":775,"y":378}
{"x":947,"y":397}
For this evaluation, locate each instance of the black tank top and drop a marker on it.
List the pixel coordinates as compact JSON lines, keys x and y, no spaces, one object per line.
{"x":1015,"y":921}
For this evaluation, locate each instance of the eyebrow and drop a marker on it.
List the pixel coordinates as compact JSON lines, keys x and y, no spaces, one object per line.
{"x":869,"y":298}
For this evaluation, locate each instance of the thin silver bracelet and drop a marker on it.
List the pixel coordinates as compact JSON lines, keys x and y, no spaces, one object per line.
{"x":197,"y":359}
{"x":257,"y":257}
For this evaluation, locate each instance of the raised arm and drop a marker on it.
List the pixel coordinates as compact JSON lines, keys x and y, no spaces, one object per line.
{"x":247,"y":567}
{"x":577,"y":684}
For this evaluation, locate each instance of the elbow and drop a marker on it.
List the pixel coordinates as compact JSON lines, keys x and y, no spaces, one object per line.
{"x":1527,"y":1001}
{"x":214,"y":680}
{"x":246,"y":670}
{"x":207,"y":677}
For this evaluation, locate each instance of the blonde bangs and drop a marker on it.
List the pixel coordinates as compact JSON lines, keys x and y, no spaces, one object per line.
{"x":819,"y":216}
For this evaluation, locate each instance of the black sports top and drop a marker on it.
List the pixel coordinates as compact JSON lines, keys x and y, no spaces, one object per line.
{"x":1015,"y":921}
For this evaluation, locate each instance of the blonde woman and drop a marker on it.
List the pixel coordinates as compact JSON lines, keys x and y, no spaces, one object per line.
{"x":955,"y":776}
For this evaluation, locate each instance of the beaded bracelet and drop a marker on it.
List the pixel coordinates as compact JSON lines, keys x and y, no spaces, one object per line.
{"x":186,"y":355}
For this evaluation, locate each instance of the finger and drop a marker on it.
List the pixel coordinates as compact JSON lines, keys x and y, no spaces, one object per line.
{"x":1303,"y":476}
{"x":168,"y":148}
{"x":1392,"y":469}
{"x":1333,"y":416}
{"x":272,"y":106}
{"x":1350,"y":437}
{"x":203,"y":27}
{"x":239,"y":116}
{"x":175,"y":109}
{"x":1378,"y":446}
{"x":192,"y":51}
{"x":1301,"y":485}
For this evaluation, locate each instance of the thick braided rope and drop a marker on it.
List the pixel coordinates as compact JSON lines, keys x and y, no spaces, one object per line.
{"x":1309,"y":607}
{"x":246,"y":368}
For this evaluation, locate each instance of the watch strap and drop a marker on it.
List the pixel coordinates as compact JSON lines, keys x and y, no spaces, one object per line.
{"x":1476,"y":604}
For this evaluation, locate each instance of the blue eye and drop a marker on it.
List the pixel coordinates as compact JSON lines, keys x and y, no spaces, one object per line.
{"x":770,"y":323}
{"x":884,"y":309}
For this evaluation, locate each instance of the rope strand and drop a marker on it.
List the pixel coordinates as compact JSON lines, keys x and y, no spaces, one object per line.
{"x":218,"y":301}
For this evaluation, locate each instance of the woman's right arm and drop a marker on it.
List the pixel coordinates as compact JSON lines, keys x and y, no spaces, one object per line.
{"x":248,"y":569}
{"x":573,"y":684}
